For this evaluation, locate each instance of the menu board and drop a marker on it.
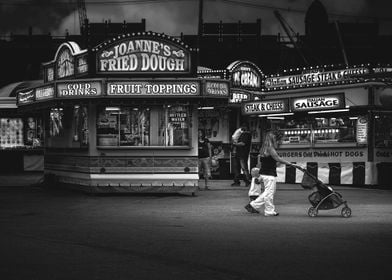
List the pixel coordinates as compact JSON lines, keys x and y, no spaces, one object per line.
{"x":362,"y":130}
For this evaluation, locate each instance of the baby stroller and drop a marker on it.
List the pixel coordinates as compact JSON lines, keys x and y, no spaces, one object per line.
{"x":324,"y":197}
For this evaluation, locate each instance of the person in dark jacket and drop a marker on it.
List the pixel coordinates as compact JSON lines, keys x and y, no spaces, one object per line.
{"x":241,"y":156}
{"x":204,"y":155}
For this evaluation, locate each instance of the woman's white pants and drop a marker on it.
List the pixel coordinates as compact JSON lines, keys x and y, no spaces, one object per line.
{"x":267,"y":197}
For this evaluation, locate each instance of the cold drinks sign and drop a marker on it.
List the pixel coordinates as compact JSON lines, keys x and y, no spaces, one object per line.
{"x":143,"y":55}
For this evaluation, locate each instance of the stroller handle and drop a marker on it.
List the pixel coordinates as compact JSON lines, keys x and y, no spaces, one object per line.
{"x":308,"y":173}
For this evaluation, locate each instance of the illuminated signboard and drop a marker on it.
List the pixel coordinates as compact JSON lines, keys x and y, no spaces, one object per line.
{"x":317,"y":77}
{"x":26,"y":97}
{"x":65,"y":63}
{"x":362,"y":130}
{"x":153,"y":88}
{"x":79,"y":89}
{"x":49,"y":72}
{"x":145,"y":54}
{"x":81,"y":65}
{"x":68,"y":61}
{"x":238,"y":96}
{"x":216,"y":88}
{"x":265,"y":107}
{"x":382,"y":70}
{"x":245,"y":74}
{"x":212,"y":74}
{"x":319,"y":102}
{"x":43,"y":93}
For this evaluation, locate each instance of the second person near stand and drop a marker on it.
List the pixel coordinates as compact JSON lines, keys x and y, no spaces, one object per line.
{"x":269,"y":159}
{"x":241,"y":155}
{"x":204,"y":156}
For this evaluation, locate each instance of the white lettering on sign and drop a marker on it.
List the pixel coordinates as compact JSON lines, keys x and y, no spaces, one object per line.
{"x":217,"y":88}
{"x":314,"y":78}
{"x":316,"y":102}
{"x":79,"y":89}
{"x":143,"y":55}
{"x":362,"y":130}
{"x":238,"y":97}
{"x":26,"y":97}
{"x":44,"y":93}
{"x":382,"y":70}
{"x":326,"y":102}
{"x":246,"y":77}
{"x":277,"y":106}
{"x":153,"y":88}
{"x":178,"y":117}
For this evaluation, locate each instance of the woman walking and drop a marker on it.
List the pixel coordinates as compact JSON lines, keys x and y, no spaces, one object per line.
{"x":269,"y":157}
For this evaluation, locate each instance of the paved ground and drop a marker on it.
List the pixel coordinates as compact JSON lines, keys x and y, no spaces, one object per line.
{"x":59,"y":234}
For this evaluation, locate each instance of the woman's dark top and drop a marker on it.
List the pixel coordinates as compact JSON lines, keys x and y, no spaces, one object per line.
{"x":203,"y":148}
{"x":268,"y":166}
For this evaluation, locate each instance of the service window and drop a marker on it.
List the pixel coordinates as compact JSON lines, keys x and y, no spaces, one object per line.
{"x":56,"y":118}
{"x":173,"y":126}
{"x":383,"y":128}
{"x":136,"y":126}
{"x":317,"y":129}
{"x":34,"y":132}
{"x":80,"y":125}
{"x":334,"y":129}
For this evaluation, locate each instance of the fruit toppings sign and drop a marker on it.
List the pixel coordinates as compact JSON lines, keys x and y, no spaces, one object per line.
{"x":153,"y":88}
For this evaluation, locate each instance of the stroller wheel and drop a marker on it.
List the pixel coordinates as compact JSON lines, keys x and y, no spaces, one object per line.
{"x":312,"y":212}
{"x":346,"y":212}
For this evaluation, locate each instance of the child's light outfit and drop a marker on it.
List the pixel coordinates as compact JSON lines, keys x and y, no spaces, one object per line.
{"x":255,"y":188}
{"x":235,"y":137}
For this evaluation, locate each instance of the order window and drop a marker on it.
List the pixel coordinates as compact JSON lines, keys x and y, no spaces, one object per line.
{"x":312,"y":130}
{"x":133,"y":126}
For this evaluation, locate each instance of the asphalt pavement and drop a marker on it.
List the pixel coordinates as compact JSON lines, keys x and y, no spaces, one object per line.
{"x":62,"y":234}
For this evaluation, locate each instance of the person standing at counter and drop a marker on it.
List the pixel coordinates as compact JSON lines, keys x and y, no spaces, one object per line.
{"x":269,"y":159}
{"x":205,"y":156}
{"x":241,"y":155}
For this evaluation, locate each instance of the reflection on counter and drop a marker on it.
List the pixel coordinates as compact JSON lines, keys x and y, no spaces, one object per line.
{"x":316,"y":130}
{"x":131,"y":126}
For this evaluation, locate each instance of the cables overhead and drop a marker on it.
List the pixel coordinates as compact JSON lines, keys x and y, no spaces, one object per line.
{"x":243,"y":3}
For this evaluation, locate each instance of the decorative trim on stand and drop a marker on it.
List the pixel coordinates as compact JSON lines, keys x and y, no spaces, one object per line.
{"x":344,"y":173}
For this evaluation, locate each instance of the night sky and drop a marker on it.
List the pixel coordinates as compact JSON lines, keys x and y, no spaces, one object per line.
{"x":175,"y":16}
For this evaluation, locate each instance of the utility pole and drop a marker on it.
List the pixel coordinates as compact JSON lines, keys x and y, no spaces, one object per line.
{"x":82,"y":14}
{"x":341,"y":44}
{"x":199,"y":30}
